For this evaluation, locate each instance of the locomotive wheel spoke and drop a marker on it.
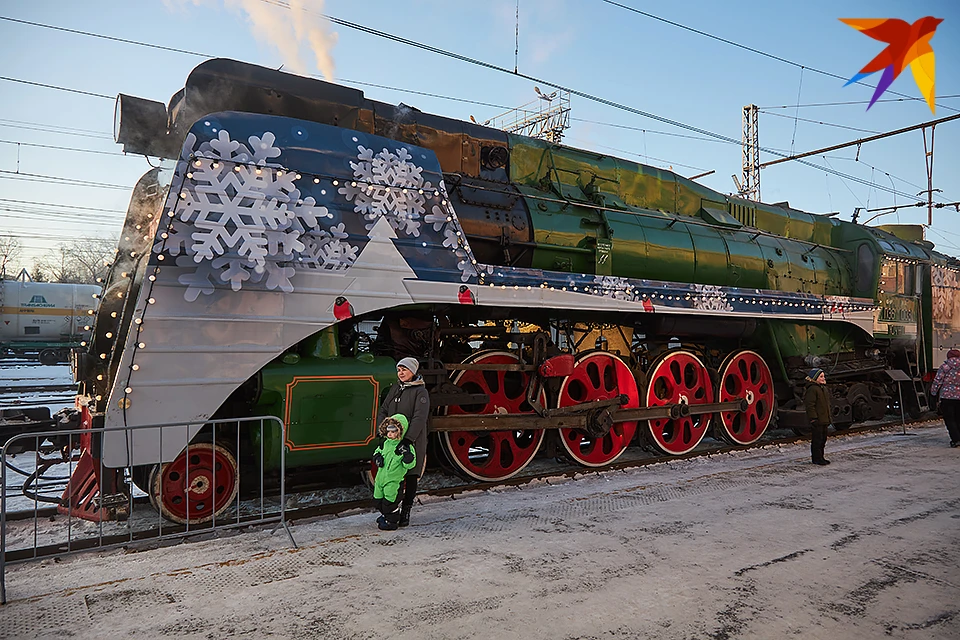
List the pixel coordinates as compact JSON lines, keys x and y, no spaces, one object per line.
{"x":599,"y":375}
{"x":202,"y":482}
{"x":492,"y":456}
{"x":679,"y":377}
{"x":744,"y":374}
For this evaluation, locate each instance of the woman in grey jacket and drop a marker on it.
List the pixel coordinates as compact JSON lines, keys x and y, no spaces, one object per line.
{"x":408,"y":396}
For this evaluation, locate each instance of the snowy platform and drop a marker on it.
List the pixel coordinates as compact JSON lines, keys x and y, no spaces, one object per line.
{"x":757,"y":544}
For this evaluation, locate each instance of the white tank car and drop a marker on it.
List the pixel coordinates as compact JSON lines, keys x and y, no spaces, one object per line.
{"x":44,"y":317}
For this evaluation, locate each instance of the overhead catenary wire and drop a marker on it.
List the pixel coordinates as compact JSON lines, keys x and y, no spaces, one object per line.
{"x":105,"y":37}
{"x":78,"y":150}
{"x":369,"y":30}
{"x":399,"y":39}
{"x":37,"y":177}
{"x":58,"y":205}
{"x":820,"y":122}
{"x":51,"y":128}
{"x":757,"y":51}
{"x":851,"y":102}
{"x":59,"y":88}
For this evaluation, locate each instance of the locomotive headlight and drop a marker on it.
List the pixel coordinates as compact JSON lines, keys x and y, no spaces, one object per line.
{"x":135,"y":367}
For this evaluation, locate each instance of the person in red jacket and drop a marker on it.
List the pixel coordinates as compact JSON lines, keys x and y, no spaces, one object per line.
{"x":946,"y":386}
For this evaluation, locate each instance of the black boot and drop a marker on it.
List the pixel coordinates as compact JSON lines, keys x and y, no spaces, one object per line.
{"x":405,"y":515}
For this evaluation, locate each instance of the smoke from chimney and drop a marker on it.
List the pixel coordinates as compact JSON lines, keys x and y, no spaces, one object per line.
{"x":287,"y":25}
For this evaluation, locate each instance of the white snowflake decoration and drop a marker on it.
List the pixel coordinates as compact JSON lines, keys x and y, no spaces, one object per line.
{"x":388,"y":185}
{"x":614,"y":287}
{"x":709,"y":297}
{"x":245,"y":219}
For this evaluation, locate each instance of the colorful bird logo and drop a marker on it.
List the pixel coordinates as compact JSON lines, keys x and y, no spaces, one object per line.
{"x":465,"y":295}
{"x":907,"y":44}
{"x":342,"y":309}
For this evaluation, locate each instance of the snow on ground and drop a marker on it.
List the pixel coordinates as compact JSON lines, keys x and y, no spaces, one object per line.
{"x":752,"y":544}
{"x":21,"y":373}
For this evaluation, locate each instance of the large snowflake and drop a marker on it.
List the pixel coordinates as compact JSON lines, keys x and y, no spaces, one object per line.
{"x":388,"y":185}
{"x":243,"y":218}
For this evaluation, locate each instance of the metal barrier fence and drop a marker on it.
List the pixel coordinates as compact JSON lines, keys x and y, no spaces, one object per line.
{"x":64,"y":533}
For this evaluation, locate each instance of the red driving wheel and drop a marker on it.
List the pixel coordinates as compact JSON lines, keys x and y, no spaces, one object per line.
{"x":745,"y":375}
{"x":678,"y":377}
{"x":598,"y":375}
{"x":492,"y":456}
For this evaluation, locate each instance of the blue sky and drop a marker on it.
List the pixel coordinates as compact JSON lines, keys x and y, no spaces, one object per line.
{"x":588,"y":45}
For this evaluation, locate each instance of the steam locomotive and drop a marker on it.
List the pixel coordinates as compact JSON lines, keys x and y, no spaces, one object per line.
{"x":303,"y":238}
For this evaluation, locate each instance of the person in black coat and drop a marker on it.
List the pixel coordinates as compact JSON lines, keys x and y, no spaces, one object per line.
{"x":408,"y":396}
{"x":816,"y":400}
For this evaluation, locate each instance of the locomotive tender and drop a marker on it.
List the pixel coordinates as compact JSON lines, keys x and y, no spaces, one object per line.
{"x":552,"y":294}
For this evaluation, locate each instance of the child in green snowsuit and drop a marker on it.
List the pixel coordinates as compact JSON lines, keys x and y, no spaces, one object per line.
{"x":394,"y":457}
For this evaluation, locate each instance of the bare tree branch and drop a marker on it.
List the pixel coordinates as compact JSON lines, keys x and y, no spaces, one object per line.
{"x":10,"y":251}
{"x":81,"y":261}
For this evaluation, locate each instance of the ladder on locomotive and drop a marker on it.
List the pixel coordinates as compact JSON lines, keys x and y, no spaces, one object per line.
{"x":913,"y":368}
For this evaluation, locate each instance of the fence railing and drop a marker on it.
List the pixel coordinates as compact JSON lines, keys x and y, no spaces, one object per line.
{"x":221,"y":480}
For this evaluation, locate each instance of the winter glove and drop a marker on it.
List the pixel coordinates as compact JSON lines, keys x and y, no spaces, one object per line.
{"x":405,"y":452}
{"x":378,"y":459}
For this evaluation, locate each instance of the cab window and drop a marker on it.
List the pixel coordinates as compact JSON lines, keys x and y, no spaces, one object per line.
{"x":898,"y":277}
{"x":888,"y":276}
{"x":865,"y":266}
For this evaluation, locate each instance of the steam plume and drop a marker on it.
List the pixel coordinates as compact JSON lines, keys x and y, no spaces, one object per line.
{"x":287,"y":25}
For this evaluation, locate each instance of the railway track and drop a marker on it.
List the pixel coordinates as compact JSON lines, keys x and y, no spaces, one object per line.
{"x":34,"y":388}
{"x":337,"y":507}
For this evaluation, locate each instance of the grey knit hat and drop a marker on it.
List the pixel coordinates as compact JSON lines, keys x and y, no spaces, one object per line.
{"x":409,"y":363}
